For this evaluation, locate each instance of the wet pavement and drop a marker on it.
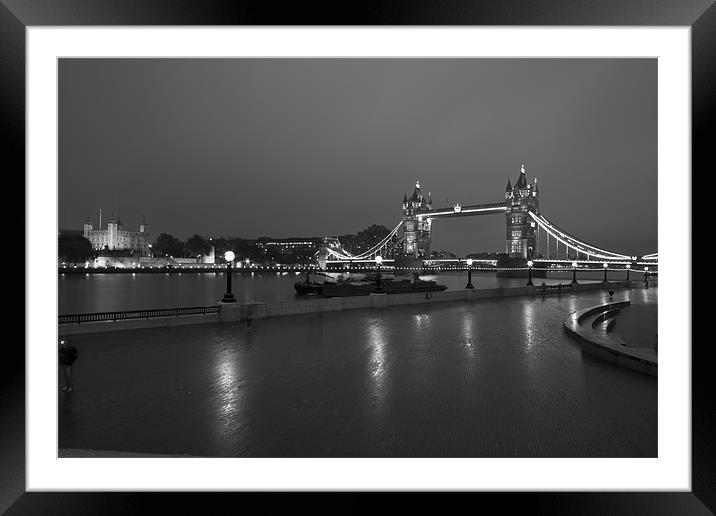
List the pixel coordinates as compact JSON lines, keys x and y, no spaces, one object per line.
{"x":637,"y":325}
{"x":493,"y":378}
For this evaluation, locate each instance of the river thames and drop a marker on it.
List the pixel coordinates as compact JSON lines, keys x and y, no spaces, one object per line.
{"x":80,"y":293}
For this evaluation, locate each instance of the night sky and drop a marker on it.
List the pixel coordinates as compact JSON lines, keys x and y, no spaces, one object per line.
{"x":314,"y":147}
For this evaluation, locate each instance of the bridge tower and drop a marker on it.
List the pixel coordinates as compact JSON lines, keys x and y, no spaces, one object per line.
{"x":520,"y":199}
{"x":417,"y":227}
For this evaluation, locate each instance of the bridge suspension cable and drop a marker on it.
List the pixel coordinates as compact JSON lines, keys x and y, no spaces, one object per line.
{"x":339,"y":256}
{"x":345,"y":255}
{"x":574,"y":243}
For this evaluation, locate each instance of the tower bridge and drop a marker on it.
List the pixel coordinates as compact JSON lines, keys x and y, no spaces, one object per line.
{"x":529,"y":234}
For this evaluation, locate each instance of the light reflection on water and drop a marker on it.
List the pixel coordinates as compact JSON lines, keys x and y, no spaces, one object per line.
{"x":378,"y":368}
{"x":422,"y":323}
{"x":468,"y":334}
{"x":528,"y":329}
{"x":226,"y":384}
{"x":377,"y":342}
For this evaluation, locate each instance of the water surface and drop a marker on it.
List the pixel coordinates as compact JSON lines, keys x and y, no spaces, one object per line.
{"x":80,"y":293}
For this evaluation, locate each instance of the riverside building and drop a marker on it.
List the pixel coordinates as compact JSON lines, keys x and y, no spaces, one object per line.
{"x":116,"y":238}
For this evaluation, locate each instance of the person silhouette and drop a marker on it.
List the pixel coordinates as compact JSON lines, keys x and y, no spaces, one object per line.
{"x":67,"y":355}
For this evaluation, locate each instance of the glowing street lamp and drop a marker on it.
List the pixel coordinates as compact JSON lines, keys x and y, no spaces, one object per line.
{"x":378,"y":286}
{"x":605,"y":265}
{"x":628,"y":266}
{"x":228,"y":296}
{"x":469,"y":273}
{"x":529,"y":273}
{"x":646,"y":276}
{"x":574,"y":272}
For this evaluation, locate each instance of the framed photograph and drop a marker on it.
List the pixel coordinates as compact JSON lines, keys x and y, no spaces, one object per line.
{"x":416,"y":250}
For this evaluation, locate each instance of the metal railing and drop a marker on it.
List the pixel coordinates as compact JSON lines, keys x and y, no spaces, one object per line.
{"x":138,"y":314}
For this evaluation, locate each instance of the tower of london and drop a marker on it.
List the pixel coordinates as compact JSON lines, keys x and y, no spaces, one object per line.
{"x":115,"y":237}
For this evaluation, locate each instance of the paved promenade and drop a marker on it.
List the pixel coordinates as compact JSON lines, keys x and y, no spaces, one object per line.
{"x":491,"y":378}
{"x":631,"y":321}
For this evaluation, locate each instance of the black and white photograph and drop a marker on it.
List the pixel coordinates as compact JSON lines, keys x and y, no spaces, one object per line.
{"x":409,"y":247}
{"x":357,"y":257}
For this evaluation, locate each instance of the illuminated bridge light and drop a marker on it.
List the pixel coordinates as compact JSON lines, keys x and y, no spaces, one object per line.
{"x":334,"y":252}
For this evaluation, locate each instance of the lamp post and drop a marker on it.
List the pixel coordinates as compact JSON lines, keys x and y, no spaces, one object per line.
{"x":606,"y":265}
{"x":628,"y":266}
{"x":378,"y":286}
{"x":574,"y":272}
{"x":228,"y":296}
{"x":646,"y":277}
{"x":529,"y":273}
{"x":469,"y":273}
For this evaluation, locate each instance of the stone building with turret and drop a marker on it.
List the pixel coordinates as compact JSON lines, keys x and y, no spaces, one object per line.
{"x":520,"y":199}
{"x":116,"y":238}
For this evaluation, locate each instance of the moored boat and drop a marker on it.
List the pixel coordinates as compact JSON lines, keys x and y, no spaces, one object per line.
{"x":406,"y":286}
{"x":389,"y":286}
{"x":308,"y":287}
{"x":348,"y":288}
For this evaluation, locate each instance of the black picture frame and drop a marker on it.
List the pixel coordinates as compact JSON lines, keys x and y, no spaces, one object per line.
{"x":700,"y":15}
